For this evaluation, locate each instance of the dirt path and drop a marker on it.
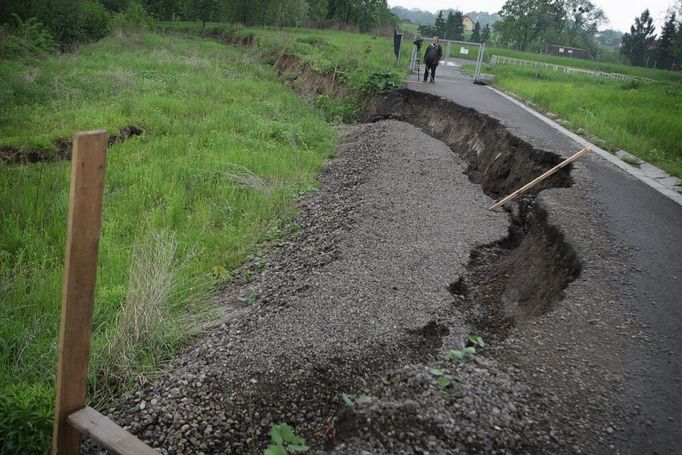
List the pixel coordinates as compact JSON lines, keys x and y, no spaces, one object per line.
{"x":397,"y":260}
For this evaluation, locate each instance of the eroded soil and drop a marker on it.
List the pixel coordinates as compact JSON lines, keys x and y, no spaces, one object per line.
{"x":62,"y":148}
{"x":396,"y":261}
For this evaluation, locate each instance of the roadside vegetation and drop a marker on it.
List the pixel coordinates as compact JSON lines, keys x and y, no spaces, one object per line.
{"x":643,"y":118}
{"x":225,"y":150}
{"x":649,"y":73}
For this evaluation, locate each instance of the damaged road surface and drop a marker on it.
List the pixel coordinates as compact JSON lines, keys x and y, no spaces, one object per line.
{"x":346,"y":329}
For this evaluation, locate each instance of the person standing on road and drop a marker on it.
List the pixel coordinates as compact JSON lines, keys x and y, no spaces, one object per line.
{"x":432,"y":56}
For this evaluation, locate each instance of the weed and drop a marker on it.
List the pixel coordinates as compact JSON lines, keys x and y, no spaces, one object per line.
{"x":25,"y":418}
{"x":156,"y":283}
{"x":443,"y":377}
{"x":379,"y":82}
{"x":351,"y":400}
{"x":475,"y":340}
{"x":631,"y":161}
{"x":284,"y":441}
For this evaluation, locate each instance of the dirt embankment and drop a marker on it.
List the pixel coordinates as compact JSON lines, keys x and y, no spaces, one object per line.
{"x":62,"y":150}
{"x":307,"y":82}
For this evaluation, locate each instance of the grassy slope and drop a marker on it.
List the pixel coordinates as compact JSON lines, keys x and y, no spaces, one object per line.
{"x":204,"y":107}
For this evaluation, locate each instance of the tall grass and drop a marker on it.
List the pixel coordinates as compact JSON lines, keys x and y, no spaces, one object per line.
{"x":640,"y":117}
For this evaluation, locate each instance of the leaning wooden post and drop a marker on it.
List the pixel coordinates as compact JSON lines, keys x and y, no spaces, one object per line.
{"x":534,"y":182}
{"x":85,"y":215}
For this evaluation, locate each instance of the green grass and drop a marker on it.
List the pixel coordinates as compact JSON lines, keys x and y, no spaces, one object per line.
{"x":410,"y":28}
{"x":456,"y":51}
{"x":655,"y":74}
{"x":641,"y":117}
{"x":355,"y":57}
{"x":226,"y":151}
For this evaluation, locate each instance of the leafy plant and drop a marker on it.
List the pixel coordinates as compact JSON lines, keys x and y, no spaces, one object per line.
{"x":350,"y":400}
{"x":443,"y":378}
{"x":134,"y":18}
{"x":378,"y":82}
{"x":476,"y":341}
{"x":28,"y":38}
{"x":459,"y":355}
{"x":26,"y":418}
{"x":284,"y":441}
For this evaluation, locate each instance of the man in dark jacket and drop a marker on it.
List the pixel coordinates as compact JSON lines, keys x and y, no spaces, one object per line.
{"x":432,"y":56}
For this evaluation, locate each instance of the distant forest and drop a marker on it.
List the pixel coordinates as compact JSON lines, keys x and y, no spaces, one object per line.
{"x":422,"y":17}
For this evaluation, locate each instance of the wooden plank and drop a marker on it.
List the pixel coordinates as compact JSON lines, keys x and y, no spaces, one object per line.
{"x":88,"y":163}
{"x":107,"y":434}
{"x":537,"y":180}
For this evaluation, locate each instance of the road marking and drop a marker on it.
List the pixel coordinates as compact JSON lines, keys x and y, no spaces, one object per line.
{"x":668,"y":191}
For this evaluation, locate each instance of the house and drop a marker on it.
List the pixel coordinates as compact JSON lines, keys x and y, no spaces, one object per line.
{"x":565,"y":51}
{"x":468,"y":23}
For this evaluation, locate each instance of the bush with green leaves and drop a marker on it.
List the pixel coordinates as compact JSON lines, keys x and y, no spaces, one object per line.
{"x":26,"y":418}
{"x":134,"y":18}
{"x":76,"y":22}
{"x":28,"y":38}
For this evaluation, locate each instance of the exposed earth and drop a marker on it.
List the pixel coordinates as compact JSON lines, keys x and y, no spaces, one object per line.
{"x":345,"y":330}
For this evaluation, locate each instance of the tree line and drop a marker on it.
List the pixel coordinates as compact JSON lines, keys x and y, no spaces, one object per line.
{"x":644,"y":48}
{"x":48,"y":24}
{"x":529,"y":25}
{"x":452,"y":28}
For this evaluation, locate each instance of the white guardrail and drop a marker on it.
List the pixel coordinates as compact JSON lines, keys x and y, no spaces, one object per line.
{"x":497,"y":59}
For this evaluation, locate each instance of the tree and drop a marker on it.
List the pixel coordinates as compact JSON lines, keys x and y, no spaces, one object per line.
{"x":317,"y":10}
{"x":583,"y":19}
{"x":476,"y":33}
{"x":485,"y":34}
{"x":202,"y":10}
{"x":609,"y":38}
{"x":677,"y":41}
{"x":525,"y":21}
{"x":454,"y":26}
{"x":440,"y":24}
{"x":636,"y":44}
{"x":664,"y":48}
{"x":164,"y":10}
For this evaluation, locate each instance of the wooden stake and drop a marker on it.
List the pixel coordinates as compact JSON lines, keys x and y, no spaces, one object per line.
{"x":80,"y":270}
{"x":107,"y":434}
{"x":531,"y":184}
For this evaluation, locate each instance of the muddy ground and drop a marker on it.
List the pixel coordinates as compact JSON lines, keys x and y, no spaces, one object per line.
{"x":396,"y":262}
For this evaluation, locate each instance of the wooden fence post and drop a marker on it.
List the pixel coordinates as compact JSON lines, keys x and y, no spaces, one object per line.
{"x":88,"y":164}
{"x":537,"y":180}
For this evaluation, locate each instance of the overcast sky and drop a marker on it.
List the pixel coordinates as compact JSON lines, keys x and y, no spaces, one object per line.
{"x":621,"y":13}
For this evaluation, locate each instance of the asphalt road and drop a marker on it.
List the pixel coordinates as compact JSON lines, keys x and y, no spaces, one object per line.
{"x":649,"y":227}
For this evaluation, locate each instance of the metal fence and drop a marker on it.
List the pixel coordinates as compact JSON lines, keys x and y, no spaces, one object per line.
{"x":497,"y":59}
{"x":415,"y":57}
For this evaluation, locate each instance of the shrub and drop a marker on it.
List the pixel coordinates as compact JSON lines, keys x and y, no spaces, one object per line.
{"x":378,"y":82}
{"x":133,"y":18}
{"x":74,"y":22}
{"x":26,"y":413}
{"x":25,"y":39}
